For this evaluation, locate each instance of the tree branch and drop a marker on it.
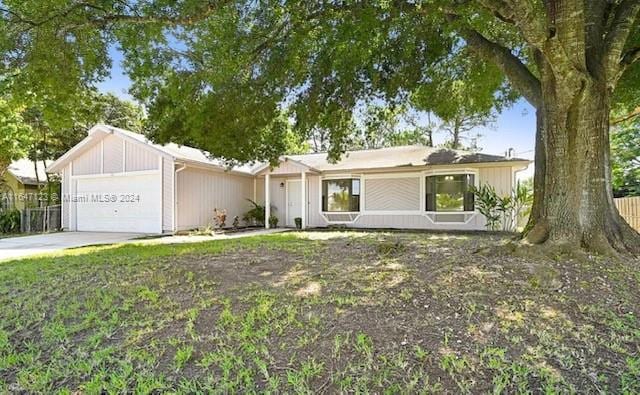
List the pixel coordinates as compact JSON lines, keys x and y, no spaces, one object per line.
{"x":110,"y":18}
{"x":633,"y":114}
{"x":630,"y":57}
{"x":518,"y":74}
{"x":624,"y":18}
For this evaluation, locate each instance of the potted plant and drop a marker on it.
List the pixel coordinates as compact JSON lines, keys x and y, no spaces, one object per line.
{"x":298,"y":222}
{"x":273,"y":221}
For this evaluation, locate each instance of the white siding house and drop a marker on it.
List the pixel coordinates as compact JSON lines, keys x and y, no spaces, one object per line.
{"x":116,"y":180}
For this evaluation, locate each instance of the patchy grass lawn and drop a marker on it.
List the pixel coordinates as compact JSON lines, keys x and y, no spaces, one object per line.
{"x":319,"y":312}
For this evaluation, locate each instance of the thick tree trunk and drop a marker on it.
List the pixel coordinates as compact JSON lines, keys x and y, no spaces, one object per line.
{"x":573,"y":199}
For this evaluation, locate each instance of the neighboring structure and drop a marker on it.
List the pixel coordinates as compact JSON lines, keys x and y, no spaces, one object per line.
{"x":19,"y":188}
{"x":116,"y":180}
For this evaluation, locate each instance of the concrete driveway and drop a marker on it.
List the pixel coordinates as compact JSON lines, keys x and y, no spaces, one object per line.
{"x":18,"y":247}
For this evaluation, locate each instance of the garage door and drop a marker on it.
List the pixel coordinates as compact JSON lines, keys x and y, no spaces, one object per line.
{"x":129,"y":203}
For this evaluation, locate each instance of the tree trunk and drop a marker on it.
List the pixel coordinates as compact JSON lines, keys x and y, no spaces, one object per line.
{"x":573,"y":198}
{"x":456,"y":134}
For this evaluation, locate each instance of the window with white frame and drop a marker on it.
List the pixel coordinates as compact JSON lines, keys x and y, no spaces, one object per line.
{"x":341,"y":195}
{"x":450,"y":193}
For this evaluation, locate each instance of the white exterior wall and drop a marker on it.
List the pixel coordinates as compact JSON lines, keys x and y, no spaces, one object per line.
{"x":288,"y":167}
{"x":113,"y":154}
{"x":168,"y":174}
{"x":279,"y":198}
{"x":66,"y":189}
{"x":392,"y":194}
{"x":116,"y":156}
{"x":139,"y":158}
{"x":89,"y":162}
{"x":200,"y":191}
{"x":259,"y":190}
{"x":502,"y":179}
{"x":315,"y":219}
{"x":392,"y":200}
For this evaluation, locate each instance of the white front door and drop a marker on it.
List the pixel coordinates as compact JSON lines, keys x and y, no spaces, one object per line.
{"x":294,"y":201}
{"x":129,"y":203}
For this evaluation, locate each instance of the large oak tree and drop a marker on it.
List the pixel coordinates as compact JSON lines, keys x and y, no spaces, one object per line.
{"x":219,"y":75}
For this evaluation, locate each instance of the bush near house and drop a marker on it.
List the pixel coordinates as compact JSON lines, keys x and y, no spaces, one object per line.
{"x":9,"y":221}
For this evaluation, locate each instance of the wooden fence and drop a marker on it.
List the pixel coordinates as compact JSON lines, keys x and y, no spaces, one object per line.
{"x":629,"y":208}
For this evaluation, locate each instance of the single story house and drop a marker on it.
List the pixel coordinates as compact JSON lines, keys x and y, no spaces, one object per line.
{"x":116,"y":180}
{"x":20,"y":185}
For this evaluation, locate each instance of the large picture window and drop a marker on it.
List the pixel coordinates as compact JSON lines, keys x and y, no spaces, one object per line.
{"x":341,"y":195}
{"x":450,"y":193}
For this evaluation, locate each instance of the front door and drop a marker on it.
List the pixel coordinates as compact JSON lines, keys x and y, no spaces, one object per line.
{"x":294,"y":201}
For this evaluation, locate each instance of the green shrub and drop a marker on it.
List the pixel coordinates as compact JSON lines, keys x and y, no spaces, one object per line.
{"x":255,"y":216}
{"x":9,"y":221}
{"x":504,"y":212}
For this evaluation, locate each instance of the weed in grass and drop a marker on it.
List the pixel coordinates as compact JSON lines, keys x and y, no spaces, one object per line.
{"x":122,"y":319}
{"x":420,"y":353}
{"x":364,"y":345}
{"x":183,"y":355}
{"x":300,"y":379}
{"x":148,"y":295}
{"x":339,"y":342}
{"x":630,"y":379}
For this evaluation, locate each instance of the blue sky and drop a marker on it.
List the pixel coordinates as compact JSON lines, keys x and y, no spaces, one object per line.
{"x":515,"y":127}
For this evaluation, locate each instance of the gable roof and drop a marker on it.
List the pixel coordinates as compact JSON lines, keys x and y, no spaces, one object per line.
{"x":396,"y":157}
{"x":179,"y":153}
{"x":383,"y":158}
{"x":25,"y":172}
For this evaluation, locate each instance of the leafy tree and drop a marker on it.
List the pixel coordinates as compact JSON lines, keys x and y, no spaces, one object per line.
{"x":625,"y":158}
{"x":461,"y":130}
{"x":381,"y":126}
{"x":51,"y":140}
{"x":15,"y":135}
{"x":218,"y":75}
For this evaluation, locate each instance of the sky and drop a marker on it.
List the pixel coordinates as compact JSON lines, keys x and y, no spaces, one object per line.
{"x":515,"y":127}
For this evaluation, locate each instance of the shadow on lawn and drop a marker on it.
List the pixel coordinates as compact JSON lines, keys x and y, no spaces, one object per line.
{"x":319,"y":311}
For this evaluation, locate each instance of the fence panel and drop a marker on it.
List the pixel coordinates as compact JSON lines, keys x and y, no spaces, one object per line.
{"x":629,"y":208}
{"x":41,"y":219}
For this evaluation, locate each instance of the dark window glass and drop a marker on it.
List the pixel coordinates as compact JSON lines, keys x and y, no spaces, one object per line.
{"x":450,"y":193}
{"x":341,"y":195}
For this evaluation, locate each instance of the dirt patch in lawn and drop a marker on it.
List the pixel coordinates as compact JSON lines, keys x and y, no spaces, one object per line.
{"x":330,"y":312}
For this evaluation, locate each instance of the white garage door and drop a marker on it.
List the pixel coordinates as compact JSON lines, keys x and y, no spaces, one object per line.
{"x":129,"y":203}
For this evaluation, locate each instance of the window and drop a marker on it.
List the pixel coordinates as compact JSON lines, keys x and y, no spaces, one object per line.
{"x":341,"y":195}
{"x":450,"y":193}
{"x":7,"y":198}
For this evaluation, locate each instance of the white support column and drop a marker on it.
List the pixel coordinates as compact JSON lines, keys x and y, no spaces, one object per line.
{"x":267,"y":200}
{"x":303,"y":193}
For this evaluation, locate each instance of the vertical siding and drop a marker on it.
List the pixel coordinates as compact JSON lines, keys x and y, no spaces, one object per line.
{"x":139,"y":158}
{"x":113,"y":151}
{"x":288,"y":168}
{"x":314,"y":219}
{"x":392,"y":194}
{"x":201,"y":191}
{"x":500,"y":177}
{"x":260,"y":190}
{"x":73,"y":187}
{"x":279,"y":200}
{"x":167,"y":195}
{"x":89,"y":162}
{"x":66,"y":182}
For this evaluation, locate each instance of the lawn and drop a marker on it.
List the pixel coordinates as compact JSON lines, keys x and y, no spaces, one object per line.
{"x":320,"y":312}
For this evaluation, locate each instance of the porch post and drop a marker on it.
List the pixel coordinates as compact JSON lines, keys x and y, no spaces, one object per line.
{"x":303,"y":193}
{"x":267,"y":200}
